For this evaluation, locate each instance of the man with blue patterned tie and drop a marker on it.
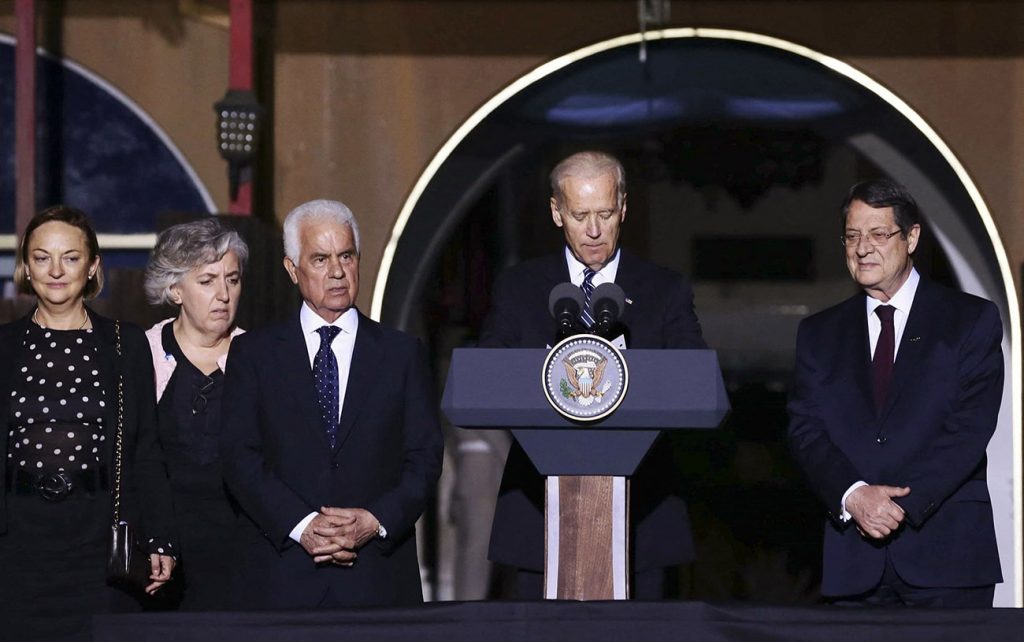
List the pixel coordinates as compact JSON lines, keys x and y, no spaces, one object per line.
{"x":331,"y":443}
{"x":588,"y":204}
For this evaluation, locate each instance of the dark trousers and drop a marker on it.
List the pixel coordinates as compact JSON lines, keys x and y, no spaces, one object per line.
{"x":892,"y":591}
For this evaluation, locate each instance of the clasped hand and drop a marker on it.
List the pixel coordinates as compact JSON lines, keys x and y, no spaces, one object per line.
{"x":871,"y":506}
{"x":335,"y":534}
{"x":161,"y":567}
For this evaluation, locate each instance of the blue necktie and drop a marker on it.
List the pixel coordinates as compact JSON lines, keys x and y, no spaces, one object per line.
{"x":588,"y":289}
{"x":325,"y":377}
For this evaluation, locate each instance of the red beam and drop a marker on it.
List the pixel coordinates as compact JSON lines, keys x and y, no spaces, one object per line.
{"x":240,"y":56}
{"x":240,"y":77}
{"x":24,"y":114}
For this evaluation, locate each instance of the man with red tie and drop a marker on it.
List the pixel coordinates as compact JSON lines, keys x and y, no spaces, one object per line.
{"x":896,"y":395}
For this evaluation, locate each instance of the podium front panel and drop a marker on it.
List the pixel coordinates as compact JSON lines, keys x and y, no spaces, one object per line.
{"x":502,"y":388}
{"x":579,"y":451}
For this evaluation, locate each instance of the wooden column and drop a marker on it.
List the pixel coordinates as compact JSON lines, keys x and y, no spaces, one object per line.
{"x":586,"y":553}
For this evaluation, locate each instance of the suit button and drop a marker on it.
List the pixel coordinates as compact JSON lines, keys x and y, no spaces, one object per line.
{"x":881,"y":439}
{"x":334,"y":465}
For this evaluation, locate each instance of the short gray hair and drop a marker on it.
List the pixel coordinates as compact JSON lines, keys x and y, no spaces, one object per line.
{"x":184,"y":247}
{"x":318,"y":210}
{"x":588,"y":164}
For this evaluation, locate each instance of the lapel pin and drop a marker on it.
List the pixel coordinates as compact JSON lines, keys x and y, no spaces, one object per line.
{"x":915,"y":339}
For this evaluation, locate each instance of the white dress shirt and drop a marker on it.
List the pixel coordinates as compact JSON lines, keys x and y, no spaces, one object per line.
{"x":604,"y":275}
{"x":342,"y":347}
{"x":902,"y":302}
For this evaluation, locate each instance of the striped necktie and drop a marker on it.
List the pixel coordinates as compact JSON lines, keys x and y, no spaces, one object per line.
{"x":588,"y":290}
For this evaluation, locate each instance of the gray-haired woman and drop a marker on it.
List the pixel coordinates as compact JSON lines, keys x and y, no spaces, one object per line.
{"x":196,"y":266}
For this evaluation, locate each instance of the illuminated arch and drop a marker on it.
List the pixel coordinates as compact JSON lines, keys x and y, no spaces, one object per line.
{"x":875,"y":149}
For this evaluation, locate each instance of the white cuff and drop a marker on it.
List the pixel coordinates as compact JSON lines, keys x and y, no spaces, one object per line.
{"x":845,"y":514}
{"x":300,"y":528}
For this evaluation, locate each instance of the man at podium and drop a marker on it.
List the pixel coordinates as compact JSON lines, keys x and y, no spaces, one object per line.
{"x":588,"y":204}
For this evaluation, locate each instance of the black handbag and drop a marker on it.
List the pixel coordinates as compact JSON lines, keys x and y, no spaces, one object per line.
{"x":128,"y":566}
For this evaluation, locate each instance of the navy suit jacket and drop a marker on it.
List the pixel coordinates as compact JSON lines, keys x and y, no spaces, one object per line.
{"x":931,"y":436}
{"x":660,"y":315}
{"x":280,"y":467}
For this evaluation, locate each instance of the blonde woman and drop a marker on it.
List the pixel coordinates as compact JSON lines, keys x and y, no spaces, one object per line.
{"x":61,"y":368}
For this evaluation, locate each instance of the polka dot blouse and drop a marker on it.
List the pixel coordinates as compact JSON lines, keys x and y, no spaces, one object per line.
{"x":58,"y":403}
{"x":59,"y":407}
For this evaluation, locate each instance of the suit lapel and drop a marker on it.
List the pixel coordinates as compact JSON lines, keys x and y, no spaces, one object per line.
{"x":858,"y":351}
{"x":554,"y":271}
{"x":111,"y":368}
{"x":109,"y":365}
{"x":363,"y":372}
{"x":297,"y":376}
{"x":627,"y":279}
{"x":913,"y":343}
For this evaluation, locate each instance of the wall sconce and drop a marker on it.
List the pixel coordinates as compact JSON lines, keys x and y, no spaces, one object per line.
{"x":239,"y":120}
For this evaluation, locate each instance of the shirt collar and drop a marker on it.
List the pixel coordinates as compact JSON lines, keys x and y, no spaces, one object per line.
{"x":904,"y":297}
{"x":607,"y":273}
{"x":311,"y":321}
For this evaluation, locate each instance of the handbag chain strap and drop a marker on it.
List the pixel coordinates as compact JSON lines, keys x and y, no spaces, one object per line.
{"x":120,"y":428}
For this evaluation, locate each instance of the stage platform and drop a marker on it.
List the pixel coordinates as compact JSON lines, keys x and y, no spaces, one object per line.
{"x":556,"y":621}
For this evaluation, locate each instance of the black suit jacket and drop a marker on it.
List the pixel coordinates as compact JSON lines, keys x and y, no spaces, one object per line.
{"x":931,"y":436}
{"x":145,"y":495}
{"x":659,"y":314}
{"x":280,"y":467}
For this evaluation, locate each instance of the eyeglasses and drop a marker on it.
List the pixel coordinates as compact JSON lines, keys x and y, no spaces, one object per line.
{"x":199,"y":399}
{"x":877,"y":238}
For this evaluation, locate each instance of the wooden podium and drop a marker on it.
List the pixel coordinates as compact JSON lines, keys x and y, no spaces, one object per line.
{"x":587,"y":464}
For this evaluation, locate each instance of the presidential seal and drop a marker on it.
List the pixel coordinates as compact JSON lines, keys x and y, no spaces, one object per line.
{"x":585,"y":378}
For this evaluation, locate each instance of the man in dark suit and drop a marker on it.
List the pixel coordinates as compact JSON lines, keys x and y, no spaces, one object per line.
{"x":331,"y":444}
{"x":896,"y":396}
{"x":589,"y":204}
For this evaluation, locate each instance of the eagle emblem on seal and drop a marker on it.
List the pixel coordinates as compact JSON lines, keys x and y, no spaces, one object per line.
{"x":584,"y":372}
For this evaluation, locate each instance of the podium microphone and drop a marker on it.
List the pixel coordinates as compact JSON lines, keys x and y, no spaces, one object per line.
{"x":607,"y":303}
{"x":565,"y":303}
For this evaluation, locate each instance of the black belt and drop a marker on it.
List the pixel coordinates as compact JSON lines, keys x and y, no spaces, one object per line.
{"x":57,"y":486}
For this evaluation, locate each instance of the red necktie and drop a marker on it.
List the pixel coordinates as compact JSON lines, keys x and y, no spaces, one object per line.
{"x":885,"y":350}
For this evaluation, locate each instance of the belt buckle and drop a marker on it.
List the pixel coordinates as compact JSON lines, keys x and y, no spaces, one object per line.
{"x":54,"y":487}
